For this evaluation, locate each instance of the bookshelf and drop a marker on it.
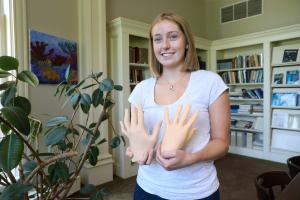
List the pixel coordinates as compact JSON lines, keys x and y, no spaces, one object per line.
{"x":128,"y":43}
{"x":285,"y":91}
{"x":242,"y":70}
{"x":254,"y":134}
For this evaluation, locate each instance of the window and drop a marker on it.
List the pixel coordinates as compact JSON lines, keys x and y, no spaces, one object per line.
{"x":5,"y":32}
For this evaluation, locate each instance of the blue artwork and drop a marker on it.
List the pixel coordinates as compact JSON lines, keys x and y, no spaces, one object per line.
{"x":51,"y":56}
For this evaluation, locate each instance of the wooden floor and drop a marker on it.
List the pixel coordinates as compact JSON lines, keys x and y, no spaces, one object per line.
{"x":236,"y":174}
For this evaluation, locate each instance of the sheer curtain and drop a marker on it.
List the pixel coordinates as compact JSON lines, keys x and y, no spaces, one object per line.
{"x":6,"y":33}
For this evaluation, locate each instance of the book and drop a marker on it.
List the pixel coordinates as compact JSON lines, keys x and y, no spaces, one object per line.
{"x":249,"y":140}
{"x":290,"y":55}
{"x":292,"y":77}
{"x":284,"y":99}
{"x":278,"y":78}
{"x":225,"y":64}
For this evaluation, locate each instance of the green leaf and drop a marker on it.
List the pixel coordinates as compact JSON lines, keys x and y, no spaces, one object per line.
{"x":18,"y":118}
{"x":8,"y":63}
{"x":88,"y":189}
{"x":56,"y":135}
{"x":11,"y":150}
{"x":123,"y":140}
{"x":29,"y":167}
{"x":57,"y":121}
{"x":6,"y":85}
{"x":58,"y":172}
{"x":62,"y":145}
{"x":118,"y":87}
{"x":86,"y":129}
{"x":70,"y":90}
{"x":75,"y":100}
{"x":4,"y":74}
{"x":115,"y":142}
{"x":7,"y":95}
{"x":5,"y":129}
{"x":15,"y":191}
{"x":96,"y":196}
{"x":28,"y":77}
{"x":102,"y":141}
{"x":106,"y":85}
{"x":68,"y":74}
{"x":22,"y":103}
{"x":88,"y":86}
{"x":93,"y":155}
{"x":35,"y":128}
{"x":85,"y":99}
{"x":85,"y":102}
{"x":97,"y":97}
{"x":95,"y":76}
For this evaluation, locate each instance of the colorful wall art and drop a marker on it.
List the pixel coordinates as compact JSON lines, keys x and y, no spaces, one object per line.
{"x":51,"y":56}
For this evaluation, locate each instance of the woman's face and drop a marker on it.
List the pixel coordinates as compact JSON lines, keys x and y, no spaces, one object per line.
{"x":169,"y":44}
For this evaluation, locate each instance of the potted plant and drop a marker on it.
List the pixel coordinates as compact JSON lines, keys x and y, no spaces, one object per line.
{"x":49,"y":175}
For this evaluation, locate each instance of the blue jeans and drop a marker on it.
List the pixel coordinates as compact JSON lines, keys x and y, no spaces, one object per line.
{"x":140,"y":194}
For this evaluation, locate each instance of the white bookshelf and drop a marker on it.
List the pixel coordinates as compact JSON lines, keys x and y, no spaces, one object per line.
{"x":274,"y":137}
{"x":285,"y":82}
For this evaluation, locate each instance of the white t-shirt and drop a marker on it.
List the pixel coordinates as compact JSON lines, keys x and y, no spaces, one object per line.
{"x":195,"y":181}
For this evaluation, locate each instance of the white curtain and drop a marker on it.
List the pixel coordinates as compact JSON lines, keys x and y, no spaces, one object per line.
{"x":7,"y":42}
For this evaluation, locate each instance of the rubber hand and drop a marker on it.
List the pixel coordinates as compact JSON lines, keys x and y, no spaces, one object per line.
{"x":141,"y":143}
{"x":178,"y":132}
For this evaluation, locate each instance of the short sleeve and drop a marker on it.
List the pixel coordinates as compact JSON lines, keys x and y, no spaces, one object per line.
{"x":217,"y":88}
{"x":136,"y":95}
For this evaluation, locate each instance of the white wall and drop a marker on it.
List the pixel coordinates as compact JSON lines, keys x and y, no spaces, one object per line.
{"x":276,"y":13}
{"x":146,"y":10}
{"x":59,"y":18}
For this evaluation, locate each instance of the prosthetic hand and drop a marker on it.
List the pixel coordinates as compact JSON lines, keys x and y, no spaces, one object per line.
{"x":141,"y":143}
{"x":178,"y":132}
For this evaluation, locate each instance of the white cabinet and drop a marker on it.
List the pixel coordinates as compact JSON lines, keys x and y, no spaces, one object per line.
{"x":285,"y":90}
{"x":261,"y":134}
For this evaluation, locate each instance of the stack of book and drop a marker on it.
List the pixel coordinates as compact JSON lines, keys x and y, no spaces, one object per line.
{"x":245,"y":109}
{"x":138,"y":55}
{"x":257,"y":108}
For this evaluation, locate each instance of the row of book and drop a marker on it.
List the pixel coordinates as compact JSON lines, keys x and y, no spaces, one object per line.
{"x":243,"y":76}
{"x":254,"y":93}
{"x":138,"y":55}
{"x":246,"y":108}
{"x":136,"y":75}
{"x":246,"y":139}
{"x":240,"y":61}
{"x":253,"y":123}
{"x":287,"y":77}
{"x":289,"y":99}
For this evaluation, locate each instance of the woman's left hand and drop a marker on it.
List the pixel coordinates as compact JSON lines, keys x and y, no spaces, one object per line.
{"x":172,"y":160}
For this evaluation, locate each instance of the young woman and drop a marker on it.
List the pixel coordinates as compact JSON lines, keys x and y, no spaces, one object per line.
{"x":189,"y":172}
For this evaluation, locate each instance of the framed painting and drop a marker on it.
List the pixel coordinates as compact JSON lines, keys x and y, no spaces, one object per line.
{"x":50,"y":56}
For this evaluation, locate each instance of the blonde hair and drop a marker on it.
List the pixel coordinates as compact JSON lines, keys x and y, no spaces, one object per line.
{"x":190,"y":62}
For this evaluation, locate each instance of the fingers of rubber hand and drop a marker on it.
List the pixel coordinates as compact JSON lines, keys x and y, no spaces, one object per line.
{"x":141,"y":143}
{"x":129,"y":153}
{"x":179,"y":132}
